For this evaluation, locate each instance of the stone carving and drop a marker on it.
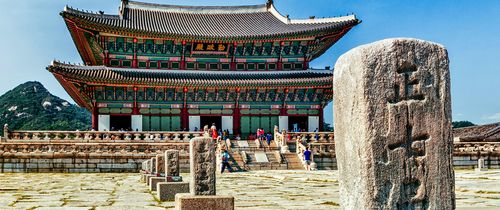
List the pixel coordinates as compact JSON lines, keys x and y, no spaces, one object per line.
{"x":160,"y":164}
{"x":172,"y":163}
{"x":202,"y":166}
{"x":393,"y":125}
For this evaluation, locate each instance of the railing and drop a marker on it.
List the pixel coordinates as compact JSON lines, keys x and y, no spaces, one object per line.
{"x":322,"y":137}
{"x":103,"y":135}
{"x":55,"y":148}
{"x":476,"y":147}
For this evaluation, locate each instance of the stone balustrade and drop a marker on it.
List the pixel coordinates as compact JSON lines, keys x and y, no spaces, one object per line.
{"x":65,"y":147}
{"x":103,"y":135}
{"x":323,"y":137}
{"x":476,"y":147}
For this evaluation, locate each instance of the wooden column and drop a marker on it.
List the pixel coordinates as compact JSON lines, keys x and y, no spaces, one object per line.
{"x":184,"y":112}
{"x":183,"y":57}
{"x":236,"y":114}
{"x":134,"y":61}
{"x":321,"y":118}
{"x":233,"y":58}
{"x":135,"y":109}
{"x":95,"y":116}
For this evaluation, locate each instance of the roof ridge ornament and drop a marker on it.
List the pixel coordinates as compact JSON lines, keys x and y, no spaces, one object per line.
{"x":269,"y":3}
{"x":124,"y":9}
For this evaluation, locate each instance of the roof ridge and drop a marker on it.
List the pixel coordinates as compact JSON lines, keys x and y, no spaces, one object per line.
{"x":241,"y":9}
{"x":101,"y":67}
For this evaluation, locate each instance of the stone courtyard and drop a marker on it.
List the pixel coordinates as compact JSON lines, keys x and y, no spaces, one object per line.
{"x":252,"y":190}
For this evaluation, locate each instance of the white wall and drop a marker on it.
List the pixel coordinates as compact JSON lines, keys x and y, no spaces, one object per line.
{"x":227,"y":123}
{"x":194,"y":122}
{"x":104,"y":121}
{"x":313,"y":123}
{"x":283,"y":122}
{"x":136,"y":122}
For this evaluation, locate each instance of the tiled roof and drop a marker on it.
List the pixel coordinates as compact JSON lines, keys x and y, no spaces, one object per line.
{"x":488,"y":132}
{"x":207,"y":22}
{"x":183,"y":78}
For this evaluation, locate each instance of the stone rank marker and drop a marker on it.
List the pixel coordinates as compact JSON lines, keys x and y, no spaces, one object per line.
{"x":202,"y":182}
{"x":172,"y":163}
{"x":160,"y":164}
{"x":202,"y":166}
{"x":393,"y":126}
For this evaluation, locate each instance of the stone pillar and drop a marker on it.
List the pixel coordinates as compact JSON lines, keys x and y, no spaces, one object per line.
{"x":202,"y":166}
{"x":6,"y":131}
{"x":160,"y":165}
{"x":393,"y":126}
{"x":171,"y":163}
{"x":152,"y":165}
{"x":480,"y":165}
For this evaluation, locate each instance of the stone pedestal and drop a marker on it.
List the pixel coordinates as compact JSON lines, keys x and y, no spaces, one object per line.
{"x":393,"y":126}
{"x":198,"y":202}
{"x":166,"y":190}
{"x":480,"y":165}
{"x":148,"y":178}
{"x":153,"y":181}
{"x":152,"y":165}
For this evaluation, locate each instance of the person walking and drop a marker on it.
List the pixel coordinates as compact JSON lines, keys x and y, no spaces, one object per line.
{"x":225,"y":161}
{"x":307,"y":158}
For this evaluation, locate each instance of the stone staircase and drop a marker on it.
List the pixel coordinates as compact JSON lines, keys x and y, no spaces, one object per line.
{"x":325,"y":162}
{"x":294,"y":163}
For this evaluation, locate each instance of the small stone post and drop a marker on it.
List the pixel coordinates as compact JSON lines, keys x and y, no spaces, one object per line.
{"x":480,"y":165}
{"x":172,"y":163}
{"x":202,"y":182}
{"x":6,"y":131}
{"x":160,"y":165}
{"x":202,"y":166}
{"x":393,"y":126}
{"x":173,"y":182}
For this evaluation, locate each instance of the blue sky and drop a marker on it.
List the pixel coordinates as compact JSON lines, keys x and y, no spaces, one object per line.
{"x":33,"y":34}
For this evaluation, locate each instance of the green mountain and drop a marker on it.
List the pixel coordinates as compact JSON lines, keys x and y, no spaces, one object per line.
{"x":30,"y":106}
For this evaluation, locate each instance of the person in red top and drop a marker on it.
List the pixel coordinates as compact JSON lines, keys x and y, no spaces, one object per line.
{"x":214,"y":134}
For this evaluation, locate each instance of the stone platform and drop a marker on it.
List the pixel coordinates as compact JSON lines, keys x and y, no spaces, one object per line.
{"x":259,"y":190}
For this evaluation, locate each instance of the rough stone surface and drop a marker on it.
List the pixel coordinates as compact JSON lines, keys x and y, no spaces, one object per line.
{"x":202,"y":165}
{"x":166,"y":190}
{"x":393,"y":126}
{"x":152,"y":165}
{"x":148,"y":178}
{"x":160,"y":164}
{"x":172,"y":163}
{"x":184,"y":201}
{"x":153,"y":181}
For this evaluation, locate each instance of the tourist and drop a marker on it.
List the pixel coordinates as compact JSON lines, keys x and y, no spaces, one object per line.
{"x":316,"y":135}
{"x":307,"y":158}
{"x":195,"y":129}
{"x":238,"y":137}
{"x":214,"y":134}
{"x":268,"y":138}
{"x":225,"y":161}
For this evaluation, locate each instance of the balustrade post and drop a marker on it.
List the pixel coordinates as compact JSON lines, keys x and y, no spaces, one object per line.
{"x":137,"y":136}
{"x":46,"y":136}
{"x":6,"y":132}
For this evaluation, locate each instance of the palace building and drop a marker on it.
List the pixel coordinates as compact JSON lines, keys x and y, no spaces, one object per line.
{"x":154,"y":67}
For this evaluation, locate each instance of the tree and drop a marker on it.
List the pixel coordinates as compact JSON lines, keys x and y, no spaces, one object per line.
{"x":327,"y":127}
{"x":461,"y":124}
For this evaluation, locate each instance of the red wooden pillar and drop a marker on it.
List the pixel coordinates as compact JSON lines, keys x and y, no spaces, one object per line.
{"x":233,"y":58}
{"x":135,"y":109}
{"x":134,"y":61}
{"x":184,"y":112}
{"x":236,"y":115}
{"x":95,"y":117}
{"x":321,"y":118}
{"x":183,"y":57}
